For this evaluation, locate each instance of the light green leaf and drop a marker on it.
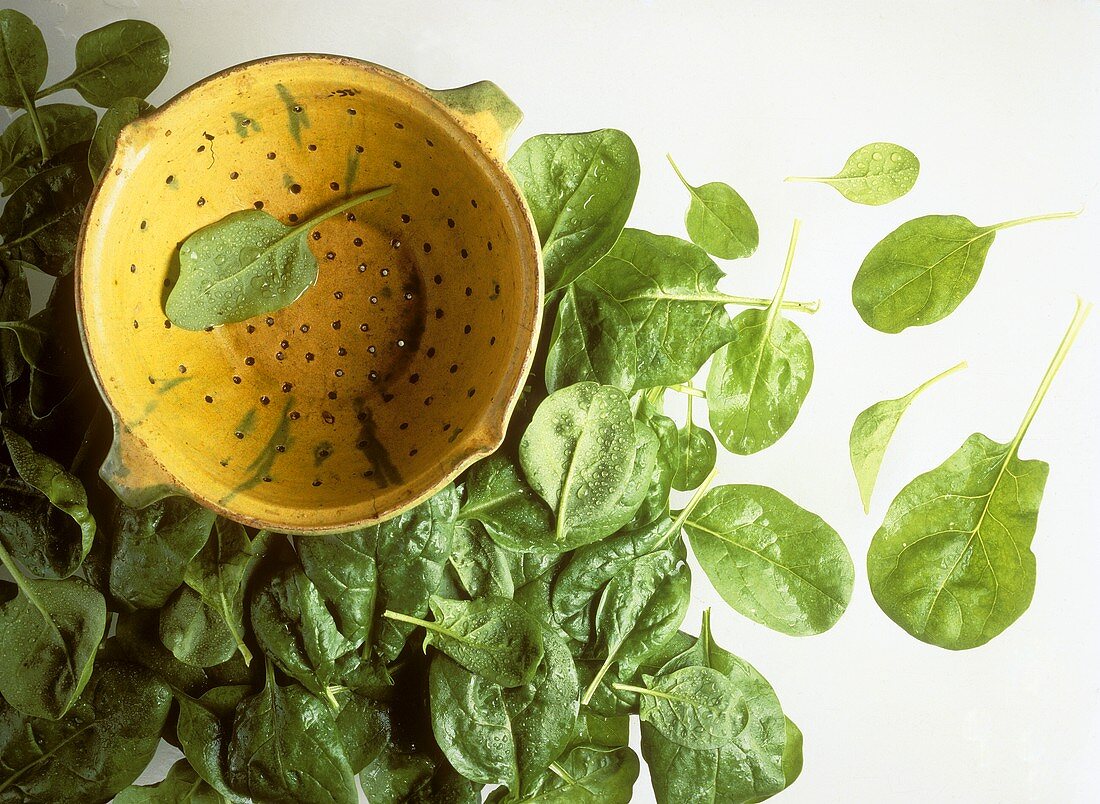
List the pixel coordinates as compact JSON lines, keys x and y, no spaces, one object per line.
{"x":694,"y":706}
{"x":874,"y":174}
{"x":246,"y":264}
{"x":718,"y":219}
{"x":872,"y":431}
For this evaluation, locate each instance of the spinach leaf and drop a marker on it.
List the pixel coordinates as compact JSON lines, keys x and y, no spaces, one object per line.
{"x":411,"y":552}
{"x":640,"y":608}
{"x":758,"y":382}
{"x":874,"y":174}
{"x":137,"y":640}
{"x":122,"y":112}
{"x":655,"y":503}
{"x":580,"y":189}
{"x":586,"y":775}
{"x":696,"y":453}
{"x":285,"y":748}
{"x":97,"y":749}
{"x":151,"y":548}
{"x":592,"y":341}
{"x":483,"y":567}
{"x":495,"y":735}
{"x":920,"y":272}
{"x":123,"y":59}
{"x":220,"y":570}
{"x":952,"y":562}
{"x":497,"y":496}
{"x":872,"y":431}
{"x":298,"y":632}
{"x":718,"y":219}
{"x":491,"y":636}
{"x":246,"y":264}
{"x":195,"y":632}
{"x":41,"y":221}
{"x":668,"y":288}
{"x":772,"y":561}
{"x":344,"y":570}
{"x":24,"y":59}
{"x":364,"y":726}
{"x":694,"y":706}
{"x":752,"y":766}
{"x":181,"y":786}
{"x":597,"y":731}
{"x":15,"y":305}
{"x":44,"y":539}
{"x":52,"y":630}
{"x":62,"y":125}
{"x":204,"y":729}
{"x":579,"y":583}
{"x":50,"y":346}
{"x":578,"y":454}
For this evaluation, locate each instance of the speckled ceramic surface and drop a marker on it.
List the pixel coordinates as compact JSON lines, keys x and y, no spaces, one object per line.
{"x":392,"y":373}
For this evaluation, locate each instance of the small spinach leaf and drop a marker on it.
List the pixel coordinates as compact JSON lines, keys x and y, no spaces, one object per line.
{"x":772,"y":561}
{"x":872,"y":431}
{"x":245,"y":264}
{"x":128,"y":58}
{"x":718,"y":219}
{"x":592,"y":341}
{"x":696,"y":453}
{"x":181,"y":786}
{"x":694,"y":706}
{"x":580,"y":189}
{"x":920,"y":272}
{"x":758,"y":382}
{"x":204,"y":730}
{"x":483,"y":567}
{"x":23,"y":59}
{"x":194,"y":632}
{"x":952,"y":563}
{"x":586,"y":775}
{"x":874,"y":174}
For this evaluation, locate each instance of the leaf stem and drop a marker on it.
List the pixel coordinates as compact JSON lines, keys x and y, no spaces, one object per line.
{"x":321,"y":217}
{"x":752,"y":301}
{"x":689,"y":390}
{"x":563,"y":774}
{"x":405,"y":618}
{"x":32,"y":110}
{"x":1079,"y":316}
{"x":591,"y":690}
{"x":704,"y":635}
{"x":773,"y":308}
{"x":808,"y":178}
{"x":696,"y":498}
{"x":924,"y":386}
{"x":1052,"y":216}
{"x":679,"y":174}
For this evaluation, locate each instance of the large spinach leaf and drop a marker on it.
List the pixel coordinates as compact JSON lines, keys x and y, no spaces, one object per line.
{"x":586,"y":775}
{"x":204,"y":729}
{"x":344,"y":570}
{"x":498,"y":496}
{"x":41,"y":221}
{"x":62,"y":126}
{"x":592,"y":340}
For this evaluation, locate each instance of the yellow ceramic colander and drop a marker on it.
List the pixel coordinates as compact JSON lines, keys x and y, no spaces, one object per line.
{"x":391,"y":374}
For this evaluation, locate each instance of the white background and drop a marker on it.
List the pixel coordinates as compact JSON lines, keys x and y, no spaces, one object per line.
{"x":1000,"y":102}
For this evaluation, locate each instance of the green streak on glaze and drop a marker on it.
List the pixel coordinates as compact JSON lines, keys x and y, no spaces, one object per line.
{"x":247,"y":423}
{"x":296,"y":113}
{"x":352,"y":170}
{"x":161,"y":388}
{"x":385,"y":473}
{"x":322,"y":452}
{"x":245,"y":124}
{"x":288,"y":180}
{"x":260,"y":467}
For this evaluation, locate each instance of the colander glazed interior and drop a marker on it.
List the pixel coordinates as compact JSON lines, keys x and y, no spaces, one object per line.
{"x":382,"y":381}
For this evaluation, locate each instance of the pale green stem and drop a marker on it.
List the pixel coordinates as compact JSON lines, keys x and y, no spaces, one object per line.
{"x":563,"y":774}
{"x":405,"y":618}
{"x":752,"y":301}
{"x":647,"y":691}
{"x":696,"y":498}
{"x":1053,"y":216}
{"x":21,"y":582}
{"x":690,"y":390}
{"x":809,"y":178}
{"x":679,"y":174}
{"x":342,"y":207}
{"x":330,"y":698}
{"x":924,"y":386}
{"x":37,"y":123}
{"x":1079,"y":316}
{"x":588,"y":693}
{"x":780,"y":292}
{"x":704,"y":634}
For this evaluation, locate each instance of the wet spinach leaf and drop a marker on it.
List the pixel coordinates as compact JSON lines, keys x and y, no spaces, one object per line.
{"x":102,"y":150}
{"x":128,"y":58}
{"x":920,"y":272}
{"x":41,"y":221}
{"x":181,"y":786}
{"x":97,"y":749}
{"x":586,"y":775}
{"x":578,"y":454}
{"x":15,"y":306}
{"x":498,"y":496}
{"x":151,"y":548}
{"x":285,"y":748}
{"x":62,"y":125}
{"x":195,"y":632}
{"x":952,"y":563}
{"x":718,"y":219}
{"x":344,"y":570}
{"x":696,"y":453}
{"x":483,"y":567}
{"x":491,"y":636}
{"x":758,"y":382}
{"x":771,"y":560}
{"x":693,"y":706}
{"x":497,"y":735}
{"x":874,"y":174}
{"x":246,"y":264}
{"x":592,"y":341}
{"x":580,"y":189}
{"x":204,"y":729}
{"x":872,"y":431}
{"x":23,"y":59}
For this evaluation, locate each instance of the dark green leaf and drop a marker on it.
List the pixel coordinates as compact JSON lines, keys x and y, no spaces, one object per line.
{"x":152,"y":546}
{"x":63,"y":126}
{"x":181,"y":786}
{"x":121,"y":113}
{"x":204,"y":729}
{"x":668,"y":288}
{"x":246,"y":264}
{"x":15,"y":305}
{"x":127,"y":58}
{"x":483,"y":567}
{"x":41,"y":221}
{"x":195,"y":632}
{"x":592,"y":341}
{"x":93,"y":752}
{"x":719,"y":220}
{"x":580,"y":189}
{"x":772,"y":561}
{"x":364,"y":726}
{"x":694,"y":706}
{"x":874,"y":174}
{"x":497,"y":496}
{"x":586,"y":775}
{"x":23,"y":59}
{"x":343,"y":569}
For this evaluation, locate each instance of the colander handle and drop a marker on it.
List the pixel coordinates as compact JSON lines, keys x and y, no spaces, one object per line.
{"x":132,"y":472}
{"x":485,"y":111}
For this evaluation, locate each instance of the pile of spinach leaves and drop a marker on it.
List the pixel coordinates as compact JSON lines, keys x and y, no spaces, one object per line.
{"x":496,"y":639}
